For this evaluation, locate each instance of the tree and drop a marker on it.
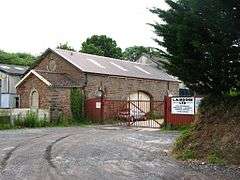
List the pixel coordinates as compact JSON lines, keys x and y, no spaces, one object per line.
{"x":65,"y":46}
{"x":103,"y":46}
{"x":23,"y":59}
{"x":134,"y":52}
{"x":202,"y":38}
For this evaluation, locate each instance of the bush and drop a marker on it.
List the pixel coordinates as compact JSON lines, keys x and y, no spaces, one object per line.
{"x":31,"y":120}
{"x":5,"y":122}
{"x":64,"y":121}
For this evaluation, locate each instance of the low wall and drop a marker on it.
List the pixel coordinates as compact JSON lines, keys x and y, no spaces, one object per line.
{"x":42,"y":113}
{"x":17,"y":112}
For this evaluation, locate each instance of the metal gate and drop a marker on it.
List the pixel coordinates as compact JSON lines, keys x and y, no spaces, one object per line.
{"x":134,"y":113}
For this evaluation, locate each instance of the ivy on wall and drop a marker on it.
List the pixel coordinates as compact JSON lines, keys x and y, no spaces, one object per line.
{"x":77,"y":104}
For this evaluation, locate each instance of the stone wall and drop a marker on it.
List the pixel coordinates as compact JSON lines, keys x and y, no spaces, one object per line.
{"x":62,"y":66}
{"x":55,"y":99}
{"x":115,"y":88}
{"x":119,"y":88}
{"x":25,"y":89}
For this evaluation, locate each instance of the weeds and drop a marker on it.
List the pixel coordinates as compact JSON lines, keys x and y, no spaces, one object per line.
{"x":214,"y":158}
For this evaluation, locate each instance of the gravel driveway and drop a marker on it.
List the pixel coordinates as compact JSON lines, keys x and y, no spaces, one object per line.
{"x":97,"y":153}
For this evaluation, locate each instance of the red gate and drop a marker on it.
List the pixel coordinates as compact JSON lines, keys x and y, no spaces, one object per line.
{"x":135,"y":113}
{"x":126,"y":113}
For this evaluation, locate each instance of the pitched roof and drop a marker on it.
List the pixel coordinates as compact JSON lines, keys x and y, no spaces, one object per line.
{"x":53,"y":79}
{"x":13,"y":69}
{"x":109,"y":66}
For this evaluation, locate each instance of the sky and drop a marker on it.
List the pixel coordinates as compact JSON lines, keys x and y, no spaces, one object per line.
{"x":34,"y":25}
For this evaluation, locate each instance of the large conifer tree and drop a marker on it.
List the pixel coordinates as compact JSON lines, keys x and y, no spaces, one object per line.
{"x":202,"y":39}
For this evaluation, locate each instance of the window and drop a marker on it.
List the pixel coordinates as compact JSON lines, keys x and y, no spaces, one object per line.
{"x":17,"y":103}
{"x":34,"y":99}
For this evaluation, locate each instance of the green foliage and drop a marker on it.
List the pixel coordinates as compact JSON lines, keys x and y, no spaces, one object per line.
{"x":77,"y":103}
{"x":187,"y":154}
{"x":5,"y":123}
{"x":65,"y":46}
{"x":214,"y":158}
{"x":179,"y":149}
{"x":16,"y":58}
{"x":135,"y":52}
{"x":64,"y":121}
{"x":102,"y":46}
{"x":202,"y":40}
{"x":182,"y":128}
{"x":185,"y":134}
{"x":31,"y":120}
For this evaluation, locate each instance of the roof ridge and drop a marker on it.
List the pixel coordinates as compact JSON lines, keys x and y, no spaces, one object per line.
{"x":104,"y":57}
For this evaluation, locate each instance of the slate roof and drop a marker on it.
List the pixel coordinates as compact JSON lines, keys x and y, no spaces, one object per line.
{"x":13,"y":69}
{"x":59,"y":79}
{"x":109,"y":66}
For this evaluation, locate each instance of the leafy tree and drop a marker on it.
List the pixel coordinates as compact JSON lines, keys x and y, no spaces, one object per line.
{"x":103,"y":46}
{"x":134,"y":52}
{"x":16,"y":58}
{"x":65,"y":46}
{"x":202,"y":39}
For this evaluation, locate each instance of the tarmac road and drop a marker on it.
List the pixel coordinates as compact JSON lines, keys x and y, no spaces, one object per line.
{"x":97,"y":153}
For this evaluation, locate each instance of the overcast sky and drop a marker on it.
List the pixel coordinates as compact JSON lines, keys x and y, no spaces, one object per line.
{"x":34,"y":25}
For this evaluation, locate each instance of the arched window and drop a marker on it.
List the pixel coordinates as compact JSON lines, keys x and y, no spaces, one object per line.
{"x":34,"y":99}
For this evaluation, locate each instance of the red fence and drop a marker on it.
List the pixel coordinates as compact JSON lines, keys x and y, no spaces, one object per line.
{"x":100,"y":110}
{"x":175,"y":119}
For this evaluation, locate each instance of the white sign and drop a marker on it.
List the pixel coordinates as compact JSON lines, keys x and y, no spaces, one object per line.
{"x":98,"y":105}
{"x":182,"y":105}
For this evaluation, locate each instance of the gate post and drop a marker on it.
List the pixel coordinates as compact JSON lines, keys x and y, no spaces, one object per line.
{"x":165,"y":110}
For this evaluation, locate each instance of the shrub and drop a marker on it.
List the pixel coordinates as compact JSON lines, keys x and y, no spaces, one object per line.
{"x":64,"y":121}
{"x":77,"y":101}
{"x":31,"y":120}
{"x":5,"y":122}
{"x":183,"y":138}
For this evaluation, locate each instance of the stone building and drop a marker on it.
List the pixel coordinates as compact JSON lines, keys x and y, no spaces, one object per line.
{"x":48,"y":84}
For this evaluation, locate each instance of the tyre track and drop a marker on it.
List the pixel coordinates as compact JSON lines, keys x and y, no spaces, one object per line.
{"x":8,"y":155}
{"x":48,"y":151}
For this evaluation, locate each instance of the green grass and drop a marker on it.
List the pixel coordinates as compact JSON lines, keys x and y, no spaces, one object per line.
{"x":214,"y":158}
{"x":187,"y":154}
{"x":32,"y":121}
{"x":170,"y":127}
{"x":179,"y":144}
